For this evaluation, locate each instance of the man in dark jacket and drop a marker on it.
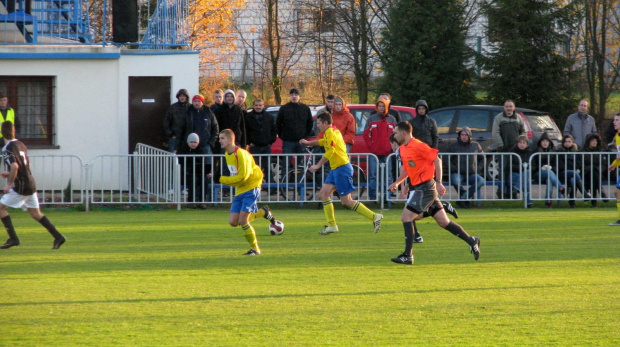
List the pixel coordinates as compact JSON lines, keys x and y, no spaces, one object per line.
{"x":293,"y":123}
{"x":261,"y":129}
{"x":174,"y":122}
{"x":231,"y":116}
{"x":218,"y":100}
{"x":195,"y":173}
{"x":464,"y":168}
{"x":200,"y":120}
{"x":424,"y":127}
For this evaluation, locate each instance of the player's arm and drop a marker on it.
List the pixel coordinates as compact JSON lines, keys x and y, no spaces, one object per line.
{"x":11,"y":177}
{"x":318,"y":165}
{"x":309,"y":143}
{"x":401,"y":178}
{"x":441,"y":190}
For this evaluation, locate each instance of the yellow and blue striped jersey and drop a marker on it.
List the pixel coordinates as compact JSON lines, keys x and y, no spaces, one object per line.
{"x":245,"y":175}
{"x":335,"y":148}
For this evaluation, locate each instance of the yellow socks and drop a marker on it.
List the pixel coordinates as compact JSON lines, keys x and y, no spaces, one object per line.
{"x":618,"y":207}
{"x":330,"y":216}
{"x":259,"y":214}
{"x":363,"y":210}
{"x":250,"y":235}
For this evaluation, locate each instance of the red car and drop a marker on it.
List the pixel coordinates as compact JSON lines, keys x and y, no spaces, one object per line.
{"x":360,"y":112}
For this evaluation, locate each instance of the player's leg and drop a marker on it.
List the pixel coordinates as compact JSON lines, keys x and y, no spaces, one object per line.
{"x":343,"y":180}
{"x":8,"y":225}
{"x":325,"y":194}
{"x":263,"y":212}
{"x":36,"y":214}
{"x":233,"y":219}
{"x":248,"y":207}
{"x":443,"y":221}
{"x":407,"y":218}
{"x":617,"y":192}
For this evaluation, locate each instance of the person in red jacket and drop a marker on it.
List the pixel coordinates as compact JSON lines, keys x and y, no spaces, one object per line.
{"x":377,"y":133}
{"x":344,"y":121}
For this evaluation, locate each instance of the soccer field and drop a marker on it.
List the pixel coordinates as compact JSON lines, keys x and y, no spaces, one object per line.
{"x":177,"y":278}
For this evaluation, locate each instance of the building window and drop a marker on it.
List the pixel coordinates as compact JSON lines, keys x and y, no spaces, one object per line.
{"x":32,"y":98}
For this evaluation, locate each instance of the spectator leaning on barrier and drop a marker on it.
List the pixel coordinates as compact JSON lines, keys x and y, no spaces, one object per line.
{"x":570,"y":168}
{"x":200,"y":120}
{"x":379,"y":127}
{"x":195,"y":171}
{"x":344,"y":121}
{"x":593,"y":165}
{"x":543,"y":168}
{"x":517,"y":179}
{"x":424,"y":127}
{"x":580,"y":124}
{"x":464,"y":168}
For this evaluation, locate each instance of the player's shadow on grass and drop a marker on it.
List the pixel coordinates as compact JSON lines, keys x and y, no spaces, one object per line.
{"x":279,"y":296}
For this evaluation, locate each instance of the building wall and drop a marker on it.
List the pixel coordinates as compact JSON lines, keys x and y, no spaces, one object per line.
{"x":91,"y":91}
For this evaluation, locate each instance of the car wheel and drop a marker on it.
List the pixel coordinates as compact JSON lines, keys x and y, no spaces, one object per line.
{"x":493,"y":168}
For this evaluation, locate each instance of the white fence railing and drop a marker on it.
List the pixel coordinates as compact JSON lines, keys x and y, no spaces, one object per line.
{"x":158,"y":177}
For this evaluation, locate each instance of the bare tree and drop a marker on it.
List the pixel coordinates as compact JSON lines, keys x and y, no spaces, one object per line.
{"x":280,"y":47}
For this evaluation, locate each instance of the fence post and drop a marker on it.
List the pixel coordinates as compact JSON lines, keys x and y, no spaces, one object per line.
{"x":88,"y":187}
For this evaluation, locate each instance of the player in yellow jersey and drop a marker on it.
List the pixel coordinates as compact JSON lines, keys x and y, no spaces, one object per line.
{"x":247,"y":178}
{"x":615,"y":164}
{"x":340,"y":177}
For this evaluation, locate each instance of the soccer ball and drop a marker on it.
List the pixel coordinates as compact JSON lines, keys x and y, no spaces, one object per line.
{"x":276,"y":228}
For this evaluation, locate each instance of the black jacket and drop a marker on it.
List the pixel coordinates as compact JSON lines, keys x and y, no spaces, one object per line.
{"x":464,"y":164}
{"x":294,"y":122}
{"x":545,"y":157}
{"x":425,"y":129}
{"x":512,"y":165}
{"x":192,"y":167}
{"x":261,"y":128}
{"x":233,"y":118}
{"x":203,"y":123}
{"x":174,"y":122}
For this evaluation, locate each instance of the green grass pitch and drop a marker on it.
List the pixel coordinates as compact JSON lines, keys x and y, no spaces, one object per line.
{"x":177,"y":278}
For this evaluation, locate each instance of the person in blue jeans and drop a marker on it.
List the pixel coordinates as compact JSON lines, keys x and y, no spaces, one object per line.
{"x":570,"y":167}
{"x":464,"y":168}
{"x":512,"y":172}
{"x":543,"y":166}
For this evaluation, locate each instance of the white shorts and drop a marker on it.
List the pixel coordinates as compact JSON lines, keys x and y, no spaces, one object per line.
{"x":14,"y":200}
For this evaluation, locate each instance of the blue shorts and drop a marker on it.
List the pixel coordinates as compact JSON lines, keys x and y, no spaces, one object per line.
{"x":342,"y":178}
{"x":246,"y":201}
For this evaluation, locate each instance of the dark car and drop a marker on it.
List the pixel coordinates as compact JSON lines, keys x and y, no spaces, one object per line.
{"x":479,"y":118}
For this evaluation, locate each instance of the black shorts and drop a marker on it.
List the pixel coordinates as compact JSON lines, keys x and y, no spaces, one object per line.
{"x":424,"y":197}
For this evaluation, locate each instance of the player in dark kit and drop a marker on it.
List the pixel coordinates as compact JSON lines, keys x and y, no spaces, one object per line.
{"x":21,"y":190}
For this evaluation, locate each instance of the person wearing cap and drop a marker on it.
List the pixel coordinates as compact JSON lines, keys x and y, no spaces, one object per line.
{"x":174,"y":121}
{"x":195,"y":171}
{"x":464,"y":168}
{"x":7,"y":114}
{"x":200,"y":120}
{"x":293,"y":123}
{"x":424,"y":127}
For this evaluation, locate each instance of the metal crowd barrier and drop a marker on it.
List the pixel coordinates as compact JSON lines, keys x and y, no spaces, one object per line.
{"x":60,"y":179}
{"x":157,"y":177}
